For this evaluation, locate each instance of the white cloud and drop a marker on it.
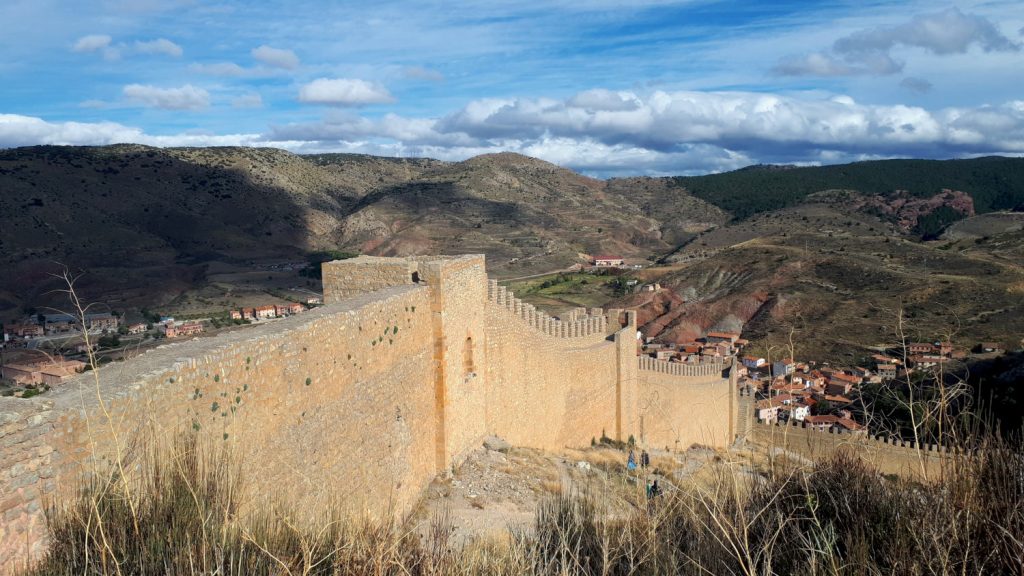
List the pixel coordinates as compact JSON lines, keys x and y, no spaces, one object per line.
{"x":276,"y":57}
{"x":605,"y":132}
{"x":344,"y":92}
{"x":92,"y":43}
{"x":869,"y":51}
{"x":624,"y":132}
{"x":250,"y":100}
{"x":187,"y":97}
{"x":947,"y":32}
{"x":158,"y":46}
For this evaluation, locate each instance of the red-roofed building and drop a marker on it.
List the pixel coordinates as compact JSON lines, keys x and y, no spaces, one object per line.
{"x":822,"y":423}
{"x":730,"y":337}
{"x":608,"y":261}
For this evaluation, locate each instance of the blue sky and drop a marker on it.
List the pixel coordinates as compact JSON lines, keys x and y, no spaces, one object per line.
{"x":606,"y":87}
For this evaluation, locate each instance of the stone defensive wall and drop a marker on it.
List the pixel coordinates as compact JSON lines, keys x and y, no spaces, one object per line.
{"x":888,"y":455}
{"x":683,"y":404}
{"x":410,"y":363}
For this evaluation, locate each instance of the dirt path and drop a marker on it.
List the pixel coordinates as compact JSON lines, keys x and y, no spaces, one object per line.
{"x":495,"y":490}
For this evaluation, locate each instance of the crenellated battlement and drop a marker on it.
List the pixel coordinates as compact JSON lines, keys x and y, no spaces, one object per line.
{"x":714,"y":368}
{"x":580,"y":324}
{"x":878,"y":441}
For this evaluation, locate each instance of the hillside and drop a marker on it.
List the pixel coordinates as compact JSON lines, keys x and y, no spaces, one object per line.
{"x":151,"y":225}
{"x":995,"y":183}
{"x":838,"y":281}
{"x":196,"y":230}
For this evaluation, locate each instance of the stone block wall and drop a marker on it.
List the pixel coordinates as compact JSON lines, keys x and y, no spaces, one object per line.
{"x":336,"y":404}
{"x":682,"y":405}
{"x":889,"y":456}
{"x":26,"y":475}
{"x":360,"y":402}
{"x":365,"y":274}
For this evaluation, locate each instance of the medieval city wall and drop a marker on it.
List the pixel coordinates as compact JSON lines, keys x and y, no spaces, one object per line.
{"x":547,"y":390}
{"x":360,"y":402}
{"x":681,"y":405}
{"x":889,"y":456}
{"x":336,"y":404}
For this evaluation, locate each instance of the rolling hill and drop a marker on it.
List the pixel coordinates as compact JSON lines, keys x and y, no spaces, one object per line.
{"x":751,"y":248}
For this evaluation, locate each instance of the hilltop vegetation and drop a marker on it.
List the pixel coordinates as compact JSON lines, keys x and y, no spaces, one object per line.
{"x":995,"y":183}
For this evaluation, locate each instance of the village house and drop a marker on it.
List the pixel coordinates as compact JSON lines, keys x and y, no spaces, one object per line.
{"x":920,"y":348}
{"x":783,"y":367}
{"x":753,"y":362}
{"x":822,"y":422}
{"x":102,"y":321}
{"x":263,"y":312}
{"x":608,"y":261}
{"x":25,"y":330}
{"x":290,"y":308}
{"x":49,"y":372}
{"x":784,"y":387}
{"x":235,"y":314}
{"x":314,"y":301}
{"x":60,"y":327}
{"x":846,"y":424}
{"x":172,"y":330}
{"x":837,"y":400}
{"x":886,"y":371}
{"x":137,"y":328}
{"x":248,"y":313}
{"x":795,"y":411}
{"x":714,"y":337}
{"x":924,"y":361}
{"x":665,"y":354}
{"x":809,"y":379}
{"x":767,"y":410}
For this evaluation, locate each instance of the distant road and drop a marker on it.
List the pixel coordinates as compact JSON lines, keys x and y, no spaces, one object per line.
{"x":535,"y":275}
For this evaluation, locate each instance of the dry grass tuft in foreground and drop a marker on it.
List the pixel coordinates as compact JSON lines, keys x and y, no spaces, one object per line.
{"x":841,"y":517}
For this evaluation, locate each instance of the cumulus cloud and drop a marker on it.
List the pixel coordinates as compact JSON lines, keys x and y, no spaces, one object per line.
{"x":187,"y":97}
{"x":869,"y":51}
{"x":344,"y":92}
{"x":92,"y":43}
{"x":617,"y":132}
{"x":947,"y":32}
{"x":276,"y":57}
{"x":158,"y":46}
{"x":918,"y":85}
{"x":589,"y":129}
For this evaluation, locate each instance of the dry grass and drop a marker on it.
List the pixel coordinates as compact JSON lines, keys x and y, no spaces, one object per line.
{"x":840,"y":517}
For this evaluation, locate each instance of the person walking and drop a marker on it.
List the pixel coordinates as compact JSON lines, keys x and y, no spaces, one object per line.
{"x":631,"y":461}
{"x":645,"y":459}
